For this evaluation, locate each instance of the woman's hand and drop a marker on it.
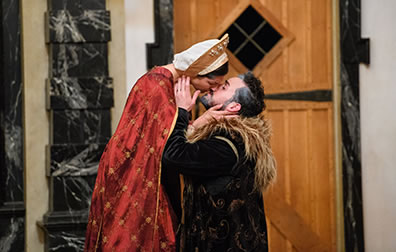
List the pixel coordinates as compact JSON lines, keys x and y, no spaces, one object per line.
{"x":213,"y":113}
{"x":183,"y":95}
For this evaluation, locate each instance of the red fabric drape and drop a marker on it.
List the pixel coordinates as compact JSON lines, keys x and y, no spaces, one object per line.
{"x":129,"y":208}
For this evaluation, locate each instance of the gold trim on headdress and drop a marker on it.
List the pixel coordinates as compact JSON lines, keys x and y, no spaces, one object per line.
{"x":221,"y":60}
{"x":209,"y":61}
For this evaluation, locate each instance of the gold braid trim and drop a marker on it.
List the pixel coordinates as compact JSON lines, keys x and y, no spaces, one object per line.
{"x":159,"y":179}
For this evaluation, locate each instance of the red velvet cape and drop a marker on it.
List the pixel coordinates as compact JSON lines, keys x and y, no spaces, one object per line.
{"x":130,"y":210}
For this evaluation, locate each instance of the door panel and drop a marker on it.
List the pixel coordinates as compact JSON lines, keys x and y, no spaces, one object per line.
{"x":301,"y":205}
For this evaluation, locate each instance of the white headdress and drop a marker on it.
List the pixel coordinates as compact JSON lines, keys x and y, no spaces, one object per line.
{"x":203,"y":57}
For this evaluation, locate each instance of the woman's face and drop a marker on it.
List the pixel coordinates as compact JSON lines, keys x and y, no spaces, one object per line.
{"x":205,"y":84}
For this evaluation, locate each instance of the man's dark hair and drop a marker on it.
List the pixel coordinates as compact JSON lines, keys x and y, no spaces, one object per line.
{"x":221,"y":71}
{"x":250,"y":97}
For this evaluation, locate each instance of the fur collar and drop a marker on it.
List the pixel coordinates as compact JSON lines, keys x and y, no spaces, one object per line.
{"x":255,"y":134}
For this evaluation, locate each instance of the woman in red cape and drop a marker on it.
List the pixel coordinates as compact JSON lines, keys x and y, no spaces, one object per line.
{"x":130,"y":210}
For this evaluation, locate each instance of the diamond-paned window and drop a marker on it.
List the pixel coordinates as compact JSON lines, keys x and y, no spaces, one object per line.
{"x":251,"y":37}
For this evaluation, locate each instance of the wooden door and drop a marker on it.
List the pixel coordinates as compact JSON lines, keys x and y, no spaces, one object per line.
{"x":296,"y":69}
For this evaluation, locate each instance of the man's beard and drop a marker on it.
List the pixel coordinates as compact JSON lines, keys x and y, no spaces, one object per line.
{"x":206,"y":101}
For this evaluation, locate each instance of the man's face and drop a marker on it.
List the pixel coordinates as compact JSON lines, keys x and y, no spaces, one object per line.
{"x":223,"y":93}
{"x":204,"y":84}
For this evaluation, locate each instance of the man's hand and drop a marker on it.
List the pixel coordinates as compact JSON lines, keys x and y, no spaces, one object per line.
{"x":183,"y":95}
{"x":213,"y":113}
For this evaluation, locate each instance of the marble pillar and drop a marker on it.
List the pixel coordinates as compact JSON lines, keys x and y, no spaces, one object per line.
{"x":79,"y":96}
{"x":12,"y":207}
{"x":161,"y":51}
{"x":354,"y":50}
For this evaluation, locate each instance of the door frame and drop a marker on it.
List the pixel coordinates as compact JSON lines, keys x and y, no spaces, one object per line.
{"x":337,"y":128}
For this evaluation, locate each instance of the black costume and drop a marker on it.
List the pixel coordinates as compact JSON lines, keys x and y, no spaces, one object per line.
{"x":222,"y":209}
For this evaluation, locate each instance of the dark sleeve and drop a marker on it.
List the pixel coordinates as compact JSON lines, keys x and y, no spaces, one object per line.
{"x":209,"y":157}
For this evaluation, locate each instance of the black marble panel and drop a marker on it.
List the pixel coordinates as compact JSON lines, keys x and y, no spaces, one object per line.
{"x":65,"y":230}
{"x":161,"y":51}
{"x":12,"y":233}
{"x":12,"y":210}
{"x":73,"y":160}
{"x":352,"y":52}
{"x":80,"y":126}
{"x":80,"y":93}
{"x":71,"y":193}
{"x":11,"y":109}
{"x":74,"y":6}
{"x":79,"y":97}
{"x":93,"y":4}
{"x":351,"y":162}
{"x":66,"y":241}
{"x":60,"y":221}
{"x":12,"y":171}
{"x":85,"y":26}
{"x":78,"y":60}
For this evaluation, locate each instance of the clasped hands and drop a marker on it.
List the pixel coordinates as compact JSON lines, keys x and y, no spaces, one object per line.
{"x":184,"y":100}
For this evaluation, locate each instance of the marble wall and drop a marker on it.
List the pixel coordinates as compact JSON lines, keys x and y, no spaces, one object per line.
{"x":78,"y":92}
{"x":67,"y":101}
{"x":12,"y":208}
{"x":79,"y":96}
{"x":161,"y":51}
{"x":354,"y":50}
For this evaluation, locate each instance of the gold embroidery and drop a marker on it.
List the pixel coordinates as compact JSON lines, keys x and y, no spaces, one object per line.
{"x":156,"y":227}
{"x":151,"y":150}
{"x":161,"y":83}
{"x":231,"y":145}
{"x":165,"y":132}
{"x":155,"y":116}
{"x":132,"y":121}
{"x":171,"y":100}
{"x":104,"y":239}
{"x":146,"y":102}
{"x":111,"y":171}
{"x":135,"y":204}
{"x":142,"y":135}
{"x":121,"y":222}
{"x":127,"y":154}
{"x":150,"y":184}
{"x":94,"y":222}
{"x":136,"y":88}
{"x":102,"y":189}
{"x":148,"y":219}
{"x":124,"y":188}
{"x":108,"y":205}
{"x":133,"y":238}
{"x":138,"y":170}
{"x":163,"y":245}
